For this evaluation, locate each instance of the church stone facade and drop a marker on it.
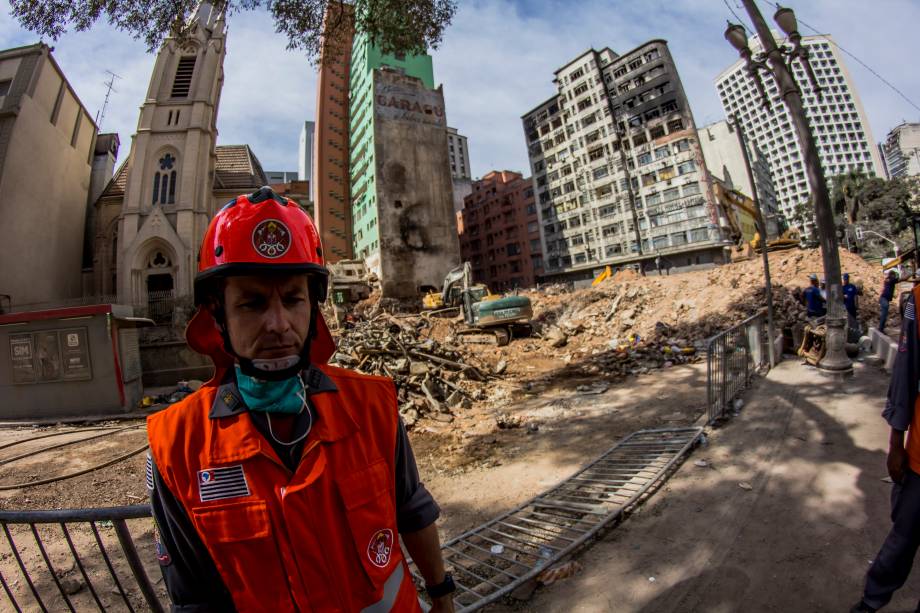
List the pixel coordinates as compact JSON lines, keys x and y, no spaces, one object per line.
{"x":151,"y":217}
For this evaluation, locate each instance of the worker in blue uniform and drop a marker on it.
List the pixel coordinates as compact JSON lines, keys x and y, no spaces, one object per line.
{"x":850,"y":296}
{"x":814,"y":301}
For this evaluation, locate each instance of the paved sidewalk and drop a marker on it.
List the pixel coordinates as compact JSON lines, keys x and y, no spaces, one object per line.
{"x":813,"y":452}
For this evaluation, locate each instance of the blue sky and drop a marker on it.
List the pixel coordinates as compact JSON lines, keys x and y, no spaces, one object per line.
{"x":496,"y":63}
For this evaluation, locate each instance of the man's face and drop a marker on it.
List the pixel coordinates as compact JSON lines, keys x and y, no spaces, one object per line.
{"x":268,"y":316}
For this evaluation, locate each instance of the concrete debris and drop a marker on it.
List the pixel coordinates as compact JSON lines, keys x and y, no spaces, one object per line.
{"x":595,"y":388}
{"x":507,"y":422}
{"x":559,"y":572}
{"x":584,"y":339}
{"x":433,"y":380}
{"x":556,"y":338}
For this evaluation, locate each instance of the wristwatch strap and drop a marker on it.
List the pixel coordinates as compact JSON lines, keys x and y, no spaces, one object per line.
{"x":442,"y":589}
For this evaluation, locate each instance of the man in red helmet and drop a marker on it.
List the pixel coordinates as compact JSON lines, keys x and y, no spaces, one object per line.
{"x":284,"y":484}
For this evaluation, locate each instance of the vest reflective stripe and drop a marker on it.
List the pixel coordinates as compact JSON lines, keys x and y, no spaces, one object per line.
{"x":390,"y":591}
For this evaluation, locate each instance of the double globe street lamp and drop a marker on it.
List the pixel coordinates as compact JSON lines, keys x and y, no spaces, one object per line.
{"x":777,"y":61}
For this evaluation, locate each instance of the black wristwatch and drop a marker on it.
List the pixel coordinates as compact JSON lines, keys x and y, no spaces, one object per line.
{"x":442,"y":589}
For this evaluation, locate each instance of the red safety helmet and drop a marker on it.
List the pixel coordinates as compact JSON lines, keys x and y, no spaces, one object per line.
{"x":258,"y":232}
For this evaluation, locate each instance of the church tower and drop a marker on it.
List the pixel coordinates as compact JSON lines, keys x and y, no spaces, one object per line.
{"x":168,"y":197}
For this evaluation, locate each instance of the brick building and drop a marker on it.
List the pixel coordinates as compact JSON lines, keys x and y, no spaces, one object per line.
{"x":500,"y":233}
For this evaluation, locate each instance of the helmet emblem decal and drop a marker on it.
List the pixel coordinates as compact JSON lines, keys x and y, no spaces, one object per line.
{"x":271,"y":238}
{"x":380,"y":549}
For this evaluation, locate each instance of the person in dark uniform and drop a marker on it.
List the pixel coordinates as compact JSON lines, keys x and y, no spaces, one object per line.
{"x":284,"y":484}
{"x":814,"y":301}
{"x":885,"y":298}
{"x":850,"y":296}
{"x":891,"y":567}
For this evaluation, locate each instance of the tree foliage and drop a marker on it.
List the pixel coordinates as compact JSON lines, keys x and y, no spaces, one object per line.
{"x":845,"y":194}
{"x":885,"y":207}
{"x":394,"y":25}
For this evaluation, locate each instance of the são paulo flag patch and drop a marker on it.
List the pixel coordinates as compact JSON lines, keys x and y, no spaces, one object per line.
{"x":222,"y":483}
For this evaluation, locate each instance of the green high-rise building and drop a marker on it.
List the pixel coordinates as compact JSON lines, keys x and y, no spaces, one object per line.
{"x":365,"y":59}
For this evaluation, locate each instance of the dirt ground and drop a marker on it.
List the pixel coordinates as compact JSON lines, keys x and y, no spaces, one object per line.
{"x":812,"y":450}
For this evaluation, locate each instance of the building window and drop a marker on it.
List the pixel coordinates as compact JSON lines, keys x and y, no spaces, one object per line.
{"x":164,"y":181}
{"x":686,"y":167}
{"x":5,"y":86}
{"x":675,"y":125}
{"x":670,"y":194}
{"x":182,"y":83}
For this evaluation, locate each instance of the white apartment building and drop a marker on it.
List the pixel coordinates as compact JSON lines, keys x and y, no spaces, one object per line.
{"x":618,"y":171}
{"x":459,"y":150}
{"x":838,"y":120}
{"x":305,"y":154}
{"x":460,"y":177}
{"x":902,"y":151}
{"x":725,"y":160}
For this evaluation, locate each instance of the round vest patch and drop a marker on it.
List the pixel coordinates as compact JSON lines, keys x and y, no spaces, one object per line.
{"x":380,"y":548}
{"x":271,"y":238}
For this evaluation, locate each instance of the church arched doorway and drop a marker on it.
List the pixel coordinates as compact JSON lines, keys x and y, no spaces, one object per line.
{"x":161,"y":287}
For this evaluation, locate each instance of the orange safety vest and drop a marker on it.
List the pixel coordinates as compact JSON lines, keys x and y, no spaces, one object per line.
{"x":321,"y":539}
{"x":913,"y":432}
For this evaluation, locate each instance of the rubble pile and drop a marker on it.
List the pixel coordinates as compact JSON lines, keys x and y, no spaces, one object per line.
{"x":626,"y":325}
{"x":432,"y":379}
{"x":663,"y":312}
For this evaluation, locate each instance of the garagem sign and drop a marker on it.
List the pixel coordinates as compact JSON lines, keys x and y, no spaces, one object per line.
{"x":399,"y":102}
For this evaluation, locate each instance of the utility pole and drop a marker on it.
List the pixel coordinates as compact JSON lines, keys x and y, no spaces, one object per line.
{"x":762,"y":229}
{"x":773,"y":60}
{"x":110,"y":87}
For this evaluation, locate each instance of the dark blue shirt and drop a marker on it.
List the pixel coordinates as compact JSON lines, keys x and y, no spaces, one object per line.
{"x":813,"y":300}
{"x":850,"y":292}
{"x":888,"y":289}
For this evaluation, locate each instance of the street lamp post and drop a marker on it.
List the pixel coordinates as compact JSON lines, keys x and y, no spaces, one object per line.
{"x":773,"y":60}
{"x":762,"y":229}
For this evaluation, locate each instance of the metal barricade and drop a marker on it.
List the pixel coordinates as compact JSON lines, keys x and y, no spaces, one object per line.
{"x":80,"y":559}
{"x":732,"y":358}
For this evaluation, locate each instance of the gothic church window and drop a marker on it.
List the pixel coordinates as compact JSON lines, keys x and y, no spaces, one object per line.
{"x":164,"y":181}
{"x":182,"y":83}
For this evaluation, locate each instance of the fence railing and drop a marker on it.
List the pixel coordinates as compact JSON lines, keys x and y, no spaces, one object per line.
{"x":80,"y":559}
{"x":159,"y":307}
{"x":732,"y":358}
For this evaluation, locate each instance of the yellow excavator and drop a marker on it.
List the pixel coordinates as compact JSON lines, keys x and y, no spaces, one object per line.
{"x":790,"y":239}
{"x":490,"y":318}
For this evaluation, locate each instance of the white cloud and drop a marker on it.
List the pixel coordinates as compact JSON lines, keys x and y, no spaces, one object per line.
{"x":496,"y":63}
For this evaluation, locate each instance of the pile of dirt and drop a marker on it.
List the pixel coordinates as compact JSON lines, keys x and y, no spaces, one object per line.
{"x":626,"y":325}
{"x":687,"y":308}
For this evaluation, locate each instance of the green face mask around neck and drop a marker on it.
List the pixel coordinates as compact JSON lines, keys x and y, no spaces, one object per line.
{"x":287,"y":396}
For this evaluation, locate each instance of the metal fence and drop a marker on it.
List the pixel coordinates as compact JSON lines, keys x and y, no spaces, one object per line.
{"x":80,"y":559}
{"x":160,"y":306}
{"x":733,"y":357}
